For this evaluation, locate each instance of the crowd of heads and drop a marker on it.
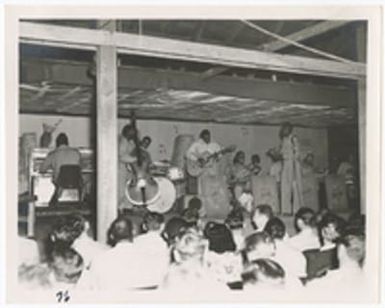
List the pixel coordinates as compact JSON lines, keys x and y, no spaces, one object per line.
{"x":191,"y":243}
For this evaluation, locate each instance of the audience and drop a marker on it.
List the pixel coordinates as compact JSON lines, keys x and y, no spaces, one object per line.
{"x":291,"y":259}
{"x":305,"y":225}
{"x":184,"y":255}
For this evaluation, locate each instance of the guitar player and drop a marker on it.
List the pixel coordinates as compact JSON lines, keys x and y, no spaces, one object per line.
{"x":212,"y":187}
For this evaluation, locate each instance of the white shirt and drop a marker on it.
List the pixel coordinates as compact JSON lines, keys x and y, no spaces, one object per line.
{"x":154,"y":257}
{"x":292,"y":260}
{"x":200,"y":147}
{"x":28,"y":252}
{"x":88,"y":249}
{"x":116,"y":269}
{"x":305,"y":240}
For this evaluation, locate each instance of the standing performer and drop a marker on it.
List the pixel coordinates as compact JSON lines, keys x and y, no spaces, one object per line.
{"x":291,"y":179}
{"x":126,"y":156}
{"x":212,"y":187}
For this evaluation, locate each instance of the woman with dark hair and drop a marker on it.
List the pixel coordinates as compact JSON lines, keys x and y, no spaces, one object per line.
{"x":291,"y":179}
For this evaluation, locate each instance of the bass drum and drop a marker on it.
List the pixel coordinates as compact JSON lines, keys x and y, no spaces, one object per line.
{"x":162,"y":201}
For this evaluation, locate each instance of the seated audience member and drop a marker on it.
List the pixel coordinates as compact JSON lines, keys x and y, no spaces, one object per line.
{"x":234,"y":222}
{"x":263,"y":275}
{"x":348,"y":279}
{"x":259,"y":245}
{"x":74,"y":231}
{"x":291,"y":259}
{"x":62,"y":272}
{"x":325,"y":258}
{"x":118,"y":268}
{"x":28,"y":253}
{"x":173,"y":227}
{"x":307,"y":236}
{"x":153,"y":251}
{"x":189,"y":273}
{"x":191,"y":213}
{"x":220,"y":237}
{"x":259,"y":217}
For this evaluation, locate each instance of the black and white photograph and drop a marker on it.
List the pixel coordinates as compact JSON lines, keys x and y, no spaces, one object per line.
{"x":184,"y":158}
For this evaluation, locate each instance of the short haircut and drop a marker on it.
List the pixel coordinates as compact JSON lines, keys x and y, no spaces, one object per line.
{"x":67,"y":229}
{"x":153,"y":221}
{"x":120,"y":229}
{"x":126,"y":129}
{"x":354,"y":243}
{"x":220,"y":237}
{"x":256,"y":239}
{"x":189,"y":244}
{"x":173,"y":228}
{"x":275,"y":228}
{"x":255,"y":157}
{"x":61,"y":139}
{"x":67,"y":264}
{"x":263,"y":209}
{"x":261,"y":269}
{"x":330,"y":218}
{"x":285,"y":125}
{"x":204,"y":132}
{"x":307,"y":215}
{"x":195,"y":203}
{"x":237,"y":155}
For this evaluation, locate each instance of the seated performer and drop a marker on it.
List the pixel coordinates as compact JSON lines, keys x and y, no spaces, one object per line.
{"x":212,"y":188}
{"x":62,"y":155}
{"x":240,"y":181}
{"x":255,"y":167}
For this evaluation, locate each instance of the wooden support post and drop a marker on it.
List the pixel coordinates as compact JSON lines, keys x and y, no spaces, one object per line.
{"x":361,"y":97}
{"x":106,"y":101}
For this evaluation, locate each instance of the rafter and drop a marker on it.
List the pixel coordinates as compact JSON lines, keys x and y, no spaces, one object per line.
{"x":304,"y":34}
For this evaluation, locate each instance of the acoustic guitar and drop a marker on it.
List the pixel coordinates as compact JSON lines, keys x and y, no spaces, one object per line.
{"x":205,"y":161}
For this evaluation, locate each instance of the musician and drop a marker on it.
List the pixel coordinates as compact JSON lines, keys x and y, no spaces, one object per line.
{"x":62,"y":155}
{"x":144,"y":144}
{"x":212,"y":187}
{"x":126,"y":156}
{"x":291,"y":177}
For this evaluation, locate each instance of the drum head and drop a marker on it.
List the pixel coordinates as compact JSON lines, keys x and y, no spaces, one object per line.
{"x":167,"y":196}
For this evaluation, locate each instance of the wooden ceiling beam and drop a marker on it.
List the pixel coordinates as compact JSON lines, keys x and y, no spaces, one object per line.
{"x":304,"y":34}
{"x":134,"y":44}
{"x":129,"y":78}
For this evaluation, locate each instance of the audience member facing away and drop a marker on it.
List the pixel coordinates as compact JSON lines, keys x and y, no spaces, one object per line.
{"x":62,"y":272}
{"x":306,"y":237}
{"x":349,"y":279}
{"x":153,"y":252}
{"x":291,"y":259}
{"x":189,"y":273}
{"x":118,"y":268}
{"x":219,"y":237}
{"x":191,"y":213}
{"x":260,"y":216}
{"x":173,"y":228}
{"x":235,"y":223}
{"x":75,"y":231}
{"x":259,"y":245}
{"x":263,"y":274}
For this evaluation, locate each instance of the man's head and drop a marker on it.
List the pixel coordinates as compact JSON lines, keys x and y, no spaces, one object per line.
{"x":146,"y":141}
{"x":263,"y":272}
{"x":68,"y":228}
{"x":275,"y":228}
{"x":120,"y":230}
{"x":153,"y":221}
{"x":61,"y":139}
{"x":128,"y":132}
{"x":259,"y":245}
{"x":173,"y":228}
{"x":189,"y":245}
{"x":255,"y":159}
{"x":351,"y":248}
{"x":219,"y":236}
{"x":67,"y":264}
{"x":239,"y":158}
{"x":286,"y":129}
{"x":261,"y":215}
{"x":331,"y":227}
{"x":205,"y":136}
{"x":304,"y":219}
